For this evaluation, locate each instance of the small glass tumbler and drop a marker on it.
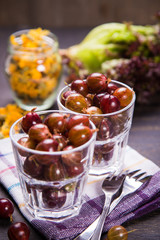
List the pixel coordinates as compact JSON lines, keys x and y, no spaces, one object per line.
{"x":52,"y":183}
{"x":33,"y":67}
{"x":112,"y":136}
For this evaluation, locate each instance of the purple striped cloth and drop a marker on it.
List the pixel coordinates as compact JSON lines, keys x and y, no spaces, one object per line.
{"x":132,"y":206}
{"x":142,"y":201}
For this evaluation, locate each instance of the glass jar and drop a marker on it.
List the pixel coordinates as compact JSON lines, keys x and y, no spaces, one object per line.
{"x":33,"y":68}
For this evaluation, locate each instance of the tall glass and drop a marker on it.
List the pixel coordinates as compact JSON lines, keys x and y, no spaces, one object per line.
{"x":112,"y":136}
{"x":52,"y":185}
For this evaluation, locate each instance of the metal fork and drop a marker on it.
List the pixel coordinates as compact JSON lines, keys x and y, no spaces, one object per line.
{"x":112,"y":188}
{"x":134,"y":180}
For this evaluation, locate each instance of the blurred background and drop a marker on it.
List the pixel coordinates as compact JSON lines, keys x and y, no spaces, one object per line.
{"x":70,"y":20}
{"x":75,"y":13}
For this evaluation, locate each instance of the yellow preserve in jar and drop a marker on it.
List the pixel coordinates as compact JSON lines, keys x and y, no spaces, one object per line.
{"x":33,"y":68}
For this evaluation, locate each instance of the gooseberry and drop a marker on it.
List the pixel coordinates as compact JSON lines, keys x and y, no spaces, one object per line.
{"x":97,"y":82}
{"x":53,"y":198}
{"x":65,"y":95}
{"x":48,"y":145}
{"x":76,"y":102}
{"x":61,"y":140}
{"x":54,"y":172}
{"x":39,"y":132}
{"x":6,"y":208}
{"x":26,"y":142}
{"x":96,"y":99}
{"x":109,"y":103}
{"x":117,"y":233}
{"x":79,"y":134}
{"x":80,"y":86}
{"x":18,"y":231}
{"x":56,"y":122}
{"x":74,"y":170}
{"x":32,"y":167}
{"x":111,"y":87}
{"x":29,"y":120}
{"x":72,"y":158}
{"x":124,"y":95}
{"x":77,"y":119}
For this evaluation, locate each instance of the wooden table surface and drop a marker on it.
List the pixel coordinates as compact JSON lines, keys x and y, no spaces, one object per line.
{"x":144,"y":137}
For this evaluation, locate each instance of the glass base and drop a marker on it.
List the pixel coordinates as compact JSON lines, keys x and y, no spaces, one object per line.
{"x":39,"y":107}
{"x":53,"y":215}
{"x":112,"y":161}
{"x":112,"y":170}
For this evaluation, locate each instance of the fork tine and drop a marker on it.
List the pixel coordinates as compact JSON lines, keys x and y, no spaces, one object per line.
{"x":132,"y":173}
{"x":144,"y":179}
{"x":138,"y":177}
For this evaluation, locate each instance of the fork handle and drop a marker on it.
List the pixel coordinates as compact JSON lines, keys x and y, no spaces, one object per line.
{"x":97,"y":233}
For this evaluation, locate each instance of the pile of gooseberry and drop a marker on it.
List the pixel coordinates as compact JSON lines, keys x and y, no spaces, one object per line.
{"x":17,"y":230}
{"x":55,"y":132}
{"x":96,"y":95}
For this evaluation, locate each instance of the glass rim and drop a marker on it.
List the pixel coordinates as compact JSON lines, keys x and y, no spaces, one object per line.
{"x":75,"y":149}
{"x":21,"y":49}
{"x":104,"y":114}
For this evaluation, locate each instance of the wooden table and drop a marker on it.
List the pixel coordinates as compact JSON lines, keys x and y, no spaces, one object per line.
{"x":144,"y":137}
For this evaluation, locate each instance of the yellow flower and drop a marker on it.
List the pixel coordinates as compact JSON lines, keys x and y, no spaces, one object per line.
{"x":12,"y":40}
{"x":35,"y":74}
{"x":8,"y":115}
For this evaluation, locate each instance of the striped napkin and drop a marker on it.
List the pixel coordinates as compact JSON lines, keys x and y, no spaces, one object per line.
{"x":144,"y":200}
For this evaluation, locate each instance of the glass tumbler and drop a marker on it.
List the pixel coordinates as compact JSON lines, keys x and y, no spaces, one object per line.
{"x":52,"y":183}
{"x":112,"y":136}
{"x":33,"y":67}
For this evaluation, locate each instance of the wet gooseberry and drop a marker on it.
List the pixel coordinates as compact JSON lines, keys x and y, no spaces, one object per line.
{"x":124,"y":95}
{"x":54,"y":172}
{"x":79,"y":134}
{"x":29,"y":120}
{"x":97,"y":82}
{"x":53,"y":198}
{"x":61,"y":140}
{"x":65,"y":95}
{"x":93,"y":110}
{"x":111,"y":87}
{"x":26,"y":142}
{"x":56,"y":122}
{"x":96,"y":99}
{"x":109,"y":103}
{"x":19,"y":231}
{"x":32,"y":167}
{"x":74,"y":170}
{"x":39,"y":132}
{"x":117,"y":233}
{"x":6,"y":208}
{"x":72,"y":158}
{"x":105,"y":130}
{"x":77,"y":119}
{"x":47,"y":145}
{"x":76,"y":102}
{"x":80,"y":86}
